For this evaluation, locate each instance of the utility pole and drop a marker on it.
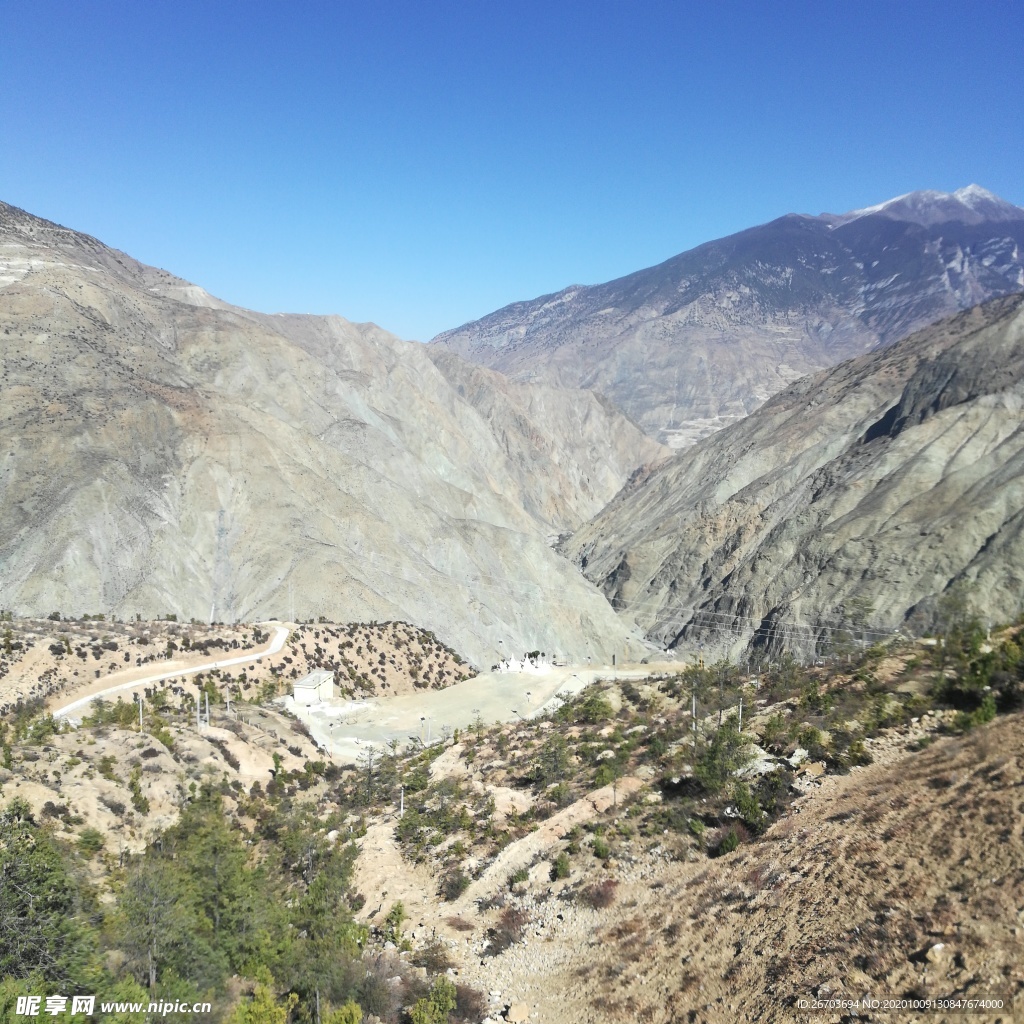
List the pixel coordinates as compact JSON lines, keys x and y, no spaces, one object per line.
{"x":741,"y":713}
{"x":207,"y":696}
{"x":693,"y":712}
{"x":721,"y":699}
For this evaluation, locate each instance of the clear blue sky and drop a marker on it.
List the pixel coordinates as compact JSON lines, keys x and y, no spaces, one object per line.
{"x":420,"y":164}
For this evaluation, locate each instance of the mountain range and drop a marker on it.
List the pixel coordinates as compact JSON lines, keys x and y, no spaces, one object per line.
{"x":706,"y":337}
{"x":166,"y":452}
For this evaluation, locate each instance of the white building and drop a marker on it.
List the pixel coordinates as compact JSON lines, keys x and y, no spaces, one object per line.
{"x":536,"y":666}
{"x":315,"y":688}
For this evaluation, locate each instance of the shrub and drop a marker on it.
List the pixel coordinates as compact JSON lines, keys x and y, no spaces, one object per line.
{"x":721,"y":757}
{"x":114,"y":806}
{"x":470,"y":1005}
{"x":377,"y":996}
{"x":749,"y":809}
{"x":560,"y":868}
{"x":90,"y":842}
{"x":601,"y":848}
{"x":139,"y":800}
{"x":433,"y":956}
{"x":521,"y":875}
{"x":559,"y":795}
{"x":724,"y":841}
{"x":434,"y":1007}
{"x":508,"y":931}
{"x":348,"y":1013}
{"x":858,"y":754}
{"x":773,"y":731}
{"x":455,"y":883}
{"x":393,"y":923}
{"x":600,"y":896}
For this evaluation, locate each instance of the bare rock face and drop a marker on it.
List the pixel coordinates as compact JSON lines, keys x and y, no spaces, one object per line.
{"x":876,"y":485}
{"x":535,"y":427}
{"x":691,"y":345}
{"x":163,"y":451}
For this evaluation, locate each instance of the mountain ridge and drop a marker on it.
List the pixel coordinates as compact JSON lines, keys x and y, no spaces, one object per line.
{"x":884,"y":482}
{"x":166,"y":452}
{"x":706,"y":336}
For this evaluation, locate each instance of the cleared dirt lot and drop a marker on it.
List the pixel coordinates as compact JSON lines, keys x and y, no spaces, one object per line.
{"x":347,"y":728}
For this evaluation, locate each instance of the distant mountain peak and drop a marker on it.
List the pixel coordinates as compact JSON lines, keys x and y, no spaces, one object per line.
{"x":705,"y":337}
{"x":972,"y":193}
{"x":971,"y":204}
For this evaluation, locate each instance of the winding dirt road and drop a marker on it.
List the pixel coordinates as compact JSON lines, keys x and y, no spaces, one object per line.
{"x":159,"y":671}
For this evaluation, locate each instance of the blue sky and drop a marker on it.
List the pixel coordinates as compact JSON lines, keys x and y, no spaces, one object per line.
{"x":421,"y":164}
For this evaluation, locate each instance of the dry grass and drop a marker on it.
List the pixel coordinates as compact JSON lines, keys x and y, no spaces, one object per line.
{"x":885,"y":870}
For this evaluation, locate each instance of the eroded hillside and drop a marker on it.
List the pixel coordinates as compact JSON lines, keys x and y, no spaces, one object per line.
{"x":165,"y":452}
{"x":865,"y":495}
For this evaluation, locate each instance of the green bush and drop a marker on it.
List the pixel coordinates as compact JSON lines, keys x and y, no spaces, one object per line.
{"x":748,"y":807}
{"x":601,"y":848}
{"x":393,"y":923}
{"x":561,"y":867}
{"x":725,"y":843}
{"x":721,"y":758}
{"x":435,"y":1007}
{"x":139,"y":801}
{"x":90,"y":842}
{"x":518,"y":876}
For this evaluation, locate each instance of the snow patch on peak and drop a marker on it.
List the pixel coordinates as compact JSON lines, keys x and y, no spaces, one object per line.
{"x":969,"y":205}
{"x":972,"y":193}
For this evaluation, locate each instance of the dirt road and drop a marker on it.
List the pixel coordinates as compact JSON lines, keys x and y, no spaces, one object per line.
{"x":135,"y":679}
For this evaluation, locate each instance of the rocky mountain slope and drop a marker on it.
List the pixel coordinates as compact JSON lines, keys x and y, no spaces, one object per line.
{"x":865,"y":493}
{"x":899,"y":881}
{"x":706,"y":337}
{"x":604,"y":443}
{"x":165,"y":452}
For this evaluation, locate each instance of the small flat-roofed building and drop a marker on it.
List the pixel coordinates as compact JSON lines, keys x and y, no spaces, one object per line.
{"x":315,"y":688}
